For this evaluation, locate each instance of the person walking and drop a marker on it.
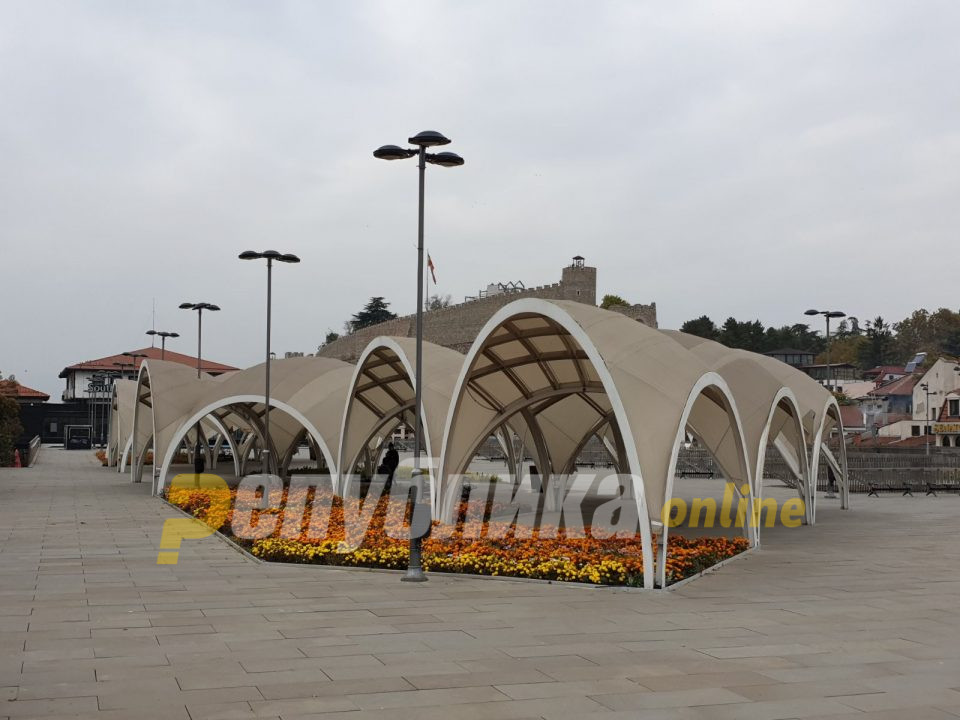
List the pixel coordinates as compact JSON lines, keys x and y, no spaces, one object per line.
{"x":391,"y":461}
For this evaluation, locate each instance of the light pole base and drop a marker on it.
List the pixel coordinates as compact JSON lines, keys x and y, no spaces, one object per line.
{"x":414,"y":575}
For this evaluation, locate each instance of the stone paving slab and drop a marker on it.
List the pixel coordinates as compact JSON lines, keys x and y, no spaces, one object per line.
{"x":853,"y":618}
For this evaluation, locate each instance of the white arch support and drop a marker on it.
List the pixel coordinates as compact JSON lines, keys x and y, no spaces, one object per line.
{"x":558,"y":315}
{"x":237,"y":400}
{"x":709,"y":380}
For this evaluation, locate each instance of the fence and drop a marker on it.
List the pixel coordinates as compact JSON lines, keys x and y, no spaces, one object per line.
{"x":904,"y":468}
{"x":884,"y":469}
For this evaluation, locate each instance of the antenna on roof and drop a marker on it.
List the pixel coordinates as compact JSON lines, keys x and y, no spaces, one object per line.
{"x":153,"y":325}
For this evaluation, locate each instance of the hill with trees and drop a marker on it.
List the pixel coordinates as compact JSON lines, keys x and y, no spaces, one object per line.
{"x":864,"y":344}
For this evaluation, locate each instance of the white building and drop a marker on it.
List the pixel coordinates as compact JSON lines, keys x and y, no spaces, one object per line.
{"x":942,"y":378}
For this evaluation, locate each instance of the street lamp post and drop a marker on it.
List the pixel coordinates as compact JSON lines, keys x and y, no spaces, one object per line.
{"x":163,"y":335}
{"x":831,"y":385}
{"x":93,"y":396}
{"x":198,"y":459}
{"x":827,"y":314}
{"x":423,"y":140}
{"x":269,"y":256}
{"x":926,"y":411}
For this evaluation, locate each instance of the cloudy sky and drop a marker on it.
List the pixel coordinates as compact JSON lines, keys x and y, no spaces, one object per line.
{"x":730,"y":158}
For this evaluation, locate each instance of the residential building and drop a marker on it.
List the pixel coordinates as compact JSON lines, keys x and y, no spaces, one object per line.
{"x":792,"y":356}
{"x":79,"y":376}
{"x":942,"y":378}
{"x":889,"y":402}
{"x":885,"y":373}
{"x":947,"y":427}
{"x":834,"y":375}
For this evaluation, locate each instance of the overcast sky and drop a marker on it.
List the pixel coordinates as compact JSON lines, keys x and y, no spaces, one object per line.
{"x":731,"y":158}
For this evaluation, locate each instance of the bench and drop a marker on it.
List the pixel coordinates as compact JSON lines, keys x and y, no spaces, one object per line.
{"x":945,"y":487}
{"x":696,"y":474}
{"x":876,"y":489}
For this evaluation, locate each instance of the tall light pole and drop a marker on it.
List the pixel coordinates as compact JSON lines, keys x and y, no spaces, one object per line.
{"x":926,"y":428}
{"x":827,"y":314}
{"x":163,"y":335}
{"x":269,"y":256}
{"x":423,"y":140}
{"x":198,"y":459}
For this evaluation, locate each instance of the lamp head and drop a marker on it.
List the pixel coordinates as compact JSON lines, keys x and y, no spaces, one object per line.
{"x":288,"y":258}
{"x":153,"y":332}
{"x":428,"y":138}
{"x":836,"y":314}
{"x":186,"y":306}
{"x":249,"y":255}
{"x":393,"y":152}
{"x":270,"y":254}
{"x":445,"y":159}
{"x":811,"y":311}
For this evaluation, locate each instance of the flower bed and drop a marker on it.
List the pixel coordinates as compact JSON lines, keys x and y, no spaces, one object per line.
{"x":482,"y":547}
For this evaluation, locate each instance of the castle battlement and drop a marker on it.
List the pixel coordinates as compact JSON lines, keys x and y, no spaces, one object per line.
{"x":456,"y":326}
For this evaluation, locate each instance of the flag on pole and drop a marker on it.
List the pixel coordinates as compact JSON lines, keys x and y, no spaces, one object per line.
{"x":433,"y":270}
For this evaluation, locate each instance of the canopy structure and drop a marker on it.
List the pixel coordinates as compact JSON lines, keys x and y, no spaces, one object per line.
{"x":769,"y":410}
{"x":306,"y":400}
{"x":381,"y":396}
{"x":120,"y":430}
{"x":565,"y":369}
{"x":553,"y":374}
{"x":164,"y":394}
{"x":821,"y":416}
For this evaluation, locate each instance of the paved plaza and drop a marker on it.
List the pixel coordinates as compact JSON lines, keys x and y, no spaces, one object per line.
{"x":856,"y":617}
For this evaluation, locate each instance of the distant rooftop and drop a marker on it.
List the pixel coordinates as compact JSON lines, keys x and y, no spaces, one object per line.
{"x":11,"y":388}
{"x":112,"y":362}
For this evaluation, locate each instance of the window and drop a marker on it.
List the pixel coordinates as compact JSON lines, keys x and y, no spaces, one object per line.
{"x":954,"y":408}
{"x":915,"y":430}
{"x":946,"y":441}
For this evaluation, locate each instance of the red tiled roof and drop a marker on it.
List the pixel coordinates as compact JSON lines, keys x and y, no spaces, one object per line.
{"x":885,"y":370}
{"x":11,"y":388}
{"x":153,"y":353}
{"x":851,"y":416}
{"x":900,"y":386}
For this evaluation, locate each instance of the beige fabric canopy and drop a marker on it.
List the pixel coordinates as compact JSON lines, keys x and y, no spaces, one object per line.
{"x":768,"y":408}
{"x":564,"y":367}
{"x":120,"y":432}
{"x":164,"y":394}
{"x":381,"y":395}
{"x":306,"y":396}
{"x":553,"y":373}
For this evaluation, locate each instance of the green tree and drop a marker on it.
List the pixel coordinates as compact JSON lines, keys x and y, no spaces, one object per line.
{"x":373,"y":313}
{"x":746,"y":335}
{"x":10,"y":429}
{"x":879,"y":342}
{"x":329,"y":338}
{"x":611,"y":300}
{"x":701,"y":327}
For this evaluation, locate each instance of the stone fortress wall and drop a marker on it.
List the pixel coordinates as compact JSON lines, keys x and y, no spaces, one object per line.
{"x":457,"y":326}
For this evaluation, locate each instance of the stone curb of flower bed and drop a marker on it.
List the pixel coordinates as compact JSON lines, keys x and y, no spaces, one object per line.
{"x":503,"y":578}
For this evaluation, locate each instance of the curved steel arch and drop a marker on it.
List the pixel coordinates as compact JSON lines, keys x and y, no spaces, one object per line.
{"x":237,"y":400}
{"x":710,"y":379}
{"x":379,"y":343}
{"x":559,"y":316}
{"x":139,"y":455}
{"x":831,"y":406}
{"x":785,"y":395}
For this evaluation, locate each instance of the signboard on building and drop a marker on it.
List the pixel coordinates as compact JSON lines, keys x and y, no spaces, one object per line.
{"x":946,"y":428}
